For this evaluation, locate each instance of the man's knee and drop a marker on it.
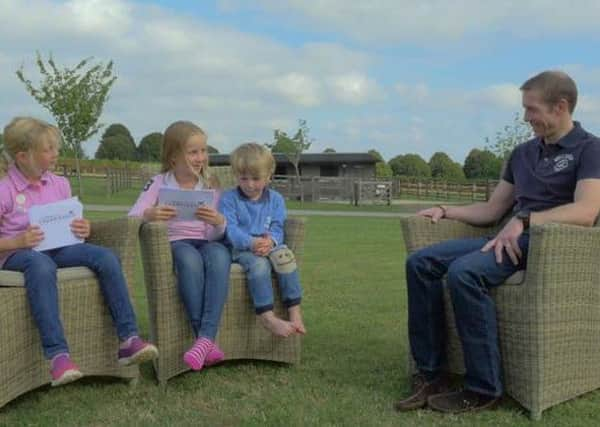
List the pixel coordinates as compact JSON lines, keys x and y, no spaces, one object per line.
{"x":416,"y":261}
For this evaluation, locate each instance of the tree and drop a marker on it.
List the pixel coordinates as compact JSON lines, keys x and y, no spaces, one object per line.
{"x":509,"y":137}
{"x":410,"y":165}
{"x":442,"y":166}
{"x":150,"y":147}
{"x":75,"y":98}
{"x":482,"y":164}
{"x":329,"y":150}
{"x":116,"y":147}
{"x":212,"y":150}
{"x":292,"y":147}
{"x":118,"y":129}
{"x":382,"y":169}
{"x":116,"y":143}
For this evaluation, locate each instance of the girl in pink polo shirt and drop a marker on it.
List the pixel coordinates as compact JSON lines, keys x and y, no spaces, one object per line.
{"x":32,"y":146}
{"x":201,"y":262}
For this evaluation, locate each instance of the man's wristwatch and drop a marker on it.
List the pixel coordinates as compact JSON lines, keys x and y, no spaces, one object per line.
{"x":524,"y":216}
{"x":444,"y":210}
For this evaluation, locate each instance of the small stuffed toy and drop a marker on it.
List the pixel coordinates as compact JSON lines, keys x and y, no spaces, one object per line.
{"x":282,"y":259}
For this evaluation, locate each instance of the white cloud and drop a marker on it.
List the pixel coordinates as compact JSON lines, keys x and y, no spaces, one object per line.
{"x":354,"y":88}
{"x":171,"y":67}
{"x":298,"y":88}
{"x":427,"y":21}
{"x":99,"y":16}
{"x":413,"y":94}
{"x":506,"y":96}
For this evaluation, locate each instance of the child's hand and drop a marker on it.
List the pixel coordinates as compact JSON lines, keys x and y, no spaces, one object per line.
{"x":210,"y":216}
{"x":160,"y":213}
{"x":261,"y":246}
{"x":32,"y":237}
{"x":80,"y":227}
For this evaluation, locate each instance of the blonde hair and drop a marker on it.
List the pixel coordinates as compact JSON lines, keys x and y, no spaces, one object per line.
{"x":173,"y":144}
{"x":253,"y":159}
{"x":27,"y":134}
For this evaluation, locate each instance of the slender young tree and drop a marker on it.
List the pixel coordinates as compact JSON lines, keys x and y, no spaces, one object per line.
{"x":293,"y":147}
{"x":75,"y":97}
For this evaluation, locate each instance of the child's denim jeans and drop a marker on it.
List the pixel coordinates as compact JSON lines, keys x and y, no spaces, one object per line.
{"x":39,"y":269}
{"x":258,"y":271}
{"x":202,"y":270}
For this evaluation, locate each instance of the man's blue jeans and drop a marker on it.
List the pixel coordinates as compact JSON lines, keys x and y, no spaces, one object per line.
{"x":258,"y":272}
{"x":469,"y":273}
{"x":39,"y":269}
{"x":202,"y":270}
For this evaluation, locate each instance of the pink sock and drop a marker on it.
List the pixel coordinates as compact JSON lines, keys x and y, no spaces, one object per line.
{"x":196,"y":355}
{"x":214,"y":356}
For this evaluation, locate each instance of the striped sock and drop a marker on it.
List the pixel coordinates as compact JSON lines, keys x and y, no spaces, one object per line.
{"x":196,"y":355}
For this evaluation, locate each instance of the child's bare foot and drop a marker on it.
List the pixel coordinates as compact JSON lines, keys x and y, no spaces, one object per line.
{"x":296,"y":319}
{"x":277,"y":326}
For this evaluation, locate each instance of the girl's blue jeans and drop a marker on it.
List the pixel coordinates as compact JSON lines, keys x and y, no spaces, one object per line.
{"x":258,"y":271}
{"x":202,"y":270}
{"x":39,"y":269}
{"x":469,"y":274}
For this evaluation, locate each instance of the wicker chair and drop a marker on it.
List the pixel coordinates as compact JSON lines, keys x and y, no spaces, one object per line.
{"x":548,"y":325}
{"x":240,"y":335}
{"x":88,"y":325}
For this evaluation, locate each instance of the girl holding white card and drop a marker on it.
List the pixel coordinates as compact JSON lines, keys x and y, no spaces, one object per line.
{"x":201,"y":262}
{"x":31,"y":146}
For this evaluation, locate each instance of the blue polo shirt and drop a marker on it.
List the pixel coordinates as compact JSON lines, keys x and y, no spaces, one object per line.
{"x":545,"y":175}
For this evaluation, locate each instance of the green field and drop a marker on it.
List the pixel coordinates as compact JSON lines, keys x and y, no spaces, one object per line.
{"x":353,"y":358}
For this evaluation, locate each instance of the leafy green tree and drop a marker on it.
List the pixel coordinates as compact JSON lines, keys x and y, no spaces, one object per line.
{"x":75,"y":97}
{"x":482,"y":164}
{"x":116,"y":147}
{"x":292,"y":147}
{"x":410,"y":165}
{"x":442,"y":166}
{"x":329,"y":150}
{"x":118,"y":129}
{"x":116,"y":143}
{"x":376,"y":154}
{"x":382,"y":169}
{"x":212,"y":150}
{"x":509,"y":137}
{"x":149,"y":149}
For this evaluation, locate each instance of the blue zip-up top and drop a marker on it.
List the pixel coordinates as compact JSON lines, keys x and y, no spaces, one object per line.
{"x":247,"y":218}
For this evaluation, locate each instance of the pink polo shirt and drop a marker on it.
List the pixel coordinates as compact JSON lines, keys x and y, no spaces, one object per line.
{"x":17,"y":195}
{"x":177,"y":230}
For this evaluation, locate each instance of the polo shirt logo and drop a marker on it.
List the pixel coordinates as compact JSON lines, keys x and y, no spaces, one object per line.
{"x":562,"y":161}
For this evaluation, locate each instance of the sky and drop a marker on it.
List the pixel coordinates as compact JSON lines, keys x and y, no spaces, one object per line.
{"x":398,"y":76}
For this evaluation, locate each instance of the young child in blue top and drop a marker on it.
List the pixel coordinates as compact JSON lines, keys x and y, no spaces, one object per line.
{"x":255,"y":217}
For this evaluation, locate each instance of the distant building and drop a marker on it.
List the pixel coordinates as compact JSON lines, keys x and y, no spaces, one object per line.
{"x":355,"y":165}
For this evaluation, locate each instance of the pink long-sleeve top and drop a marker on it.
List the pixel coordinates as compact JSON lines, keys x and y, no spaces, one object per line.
{"x":17,"y":195}
{"x":177,"y":230}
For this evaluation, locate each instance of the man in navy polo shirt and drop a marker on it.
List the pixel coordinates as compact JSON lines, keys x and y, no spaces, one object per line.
{"x":554,"y":177}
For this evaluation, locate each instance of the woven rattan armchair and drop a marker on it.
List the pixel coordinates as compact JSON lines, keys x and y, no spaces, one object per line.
{"x":88,"y":325}
{"x":549,"y":324}
{"x":240,"y":335}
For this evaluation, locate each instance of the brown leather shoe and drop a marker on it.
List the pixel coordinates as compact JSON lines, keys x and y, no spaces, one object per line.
{"x":421,"y":389}
{"x":461,"y":401}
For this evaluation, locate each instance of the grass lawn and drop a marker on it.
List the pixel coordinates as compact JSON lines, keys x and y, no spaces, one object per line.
{"x":353,"y":358}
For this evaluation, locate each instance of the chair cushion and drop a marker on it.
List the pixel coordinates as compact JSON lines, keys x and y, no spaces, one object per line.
{"x":516,"y":279}
{"x":14,"y":279}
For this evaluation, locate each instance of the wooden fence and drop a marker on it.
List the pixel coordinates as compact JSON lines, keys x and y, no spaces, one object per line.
{"x":372,"y":190}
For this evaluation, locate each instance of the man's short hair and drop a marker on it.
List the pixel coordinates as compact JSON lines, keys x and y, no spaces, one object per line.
{"x":252,"y":159}
{"x":553,"y":85}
